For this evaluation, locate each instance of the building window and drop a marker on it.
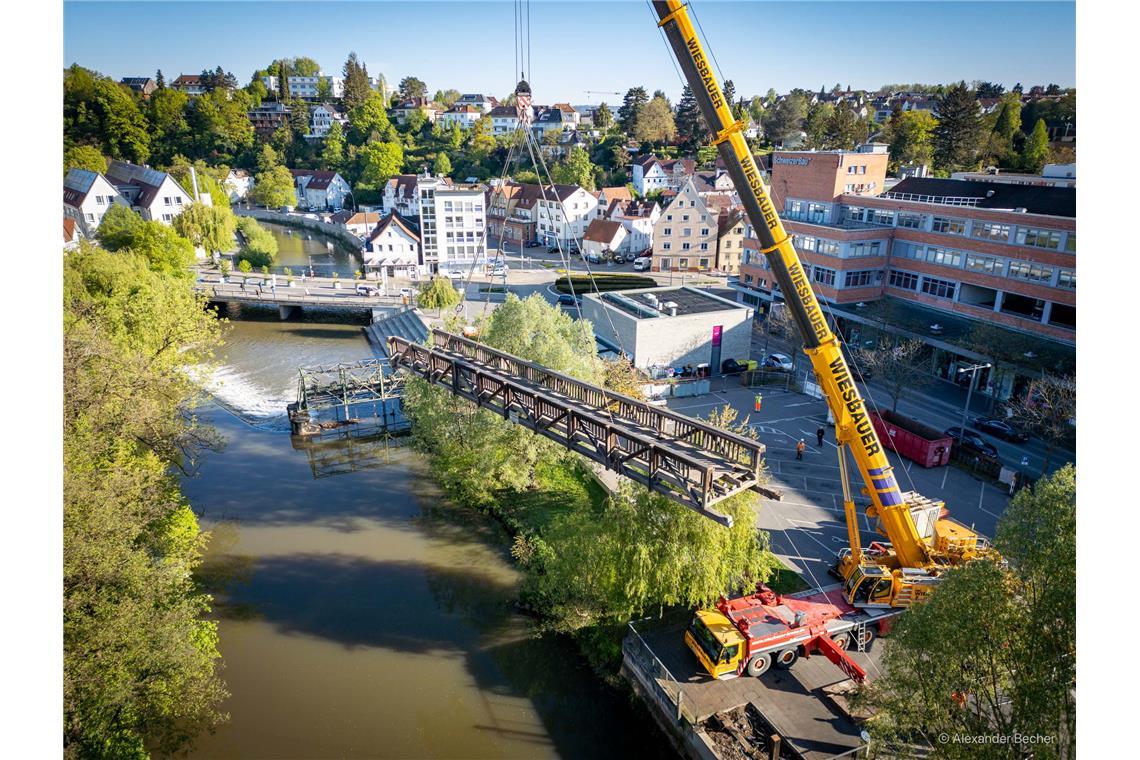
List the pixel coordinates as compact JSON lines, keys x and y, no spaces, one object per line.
{"x":991,"y":231}
{"x":855,"y":213}
{"x":869,"y":248}
{"x":687,"y":231}
{"x":1039,"y":238}
{"x":1026,"y":270}
{"x":911,"y":221}
{"x":704,"y":263}
{"x":667,"y":231}
{"x":827,"y":247}
{"x":904,"y":280}
{"x":984,"y":264}
{"x":823,"y":276}
{"x":938,"y":288}
{"x":167,"y":201}
{"x":683,"y":263}
{"x":684,"y":246}
{"x":817,"y":211}
{"x":666,"y":263}
{"x":704,"y":231}
{"x":938,"y":255}
{"x":99,"y":200}
{"x":1067,"y":279}
{"x":90,"y":217}
{"x":862,"y":278}
{"x":948,"y":226}
{"x":666,"y":246}
{"x":705,"y":246}
{"x":1071,"y":242}
{"x":885,"y":218}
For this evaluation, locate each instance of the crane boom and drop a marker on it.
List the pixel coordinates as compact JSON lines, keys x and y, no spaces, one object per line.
{"x":853,"y":426}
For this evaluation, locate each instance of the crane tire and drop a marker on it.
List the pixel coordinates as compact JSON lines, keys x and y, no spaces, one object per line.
{"x":786,"y":658}
{"x":759,"y":665}
{"x":842,"y":640}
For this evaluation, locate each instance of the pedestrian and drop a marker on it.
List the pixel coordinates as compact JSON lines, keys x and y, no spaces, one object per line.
{"x":759,"y":399}
{"x":819,"y":436}
{"x":800,"y":449}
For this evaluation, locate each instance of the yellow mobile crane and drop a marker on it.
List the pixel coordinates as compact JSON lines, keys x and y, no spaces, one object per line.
{"x":894,"y":574}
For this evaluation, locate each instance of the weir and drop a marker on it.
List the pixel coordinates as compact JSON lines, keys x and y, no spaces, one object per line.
{"x":688,"y":460}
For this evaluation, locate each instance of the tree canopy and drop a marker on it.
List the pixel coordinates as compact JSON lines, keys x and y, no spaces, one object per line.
{"x":958,"y":133}
{"x":655,"y":122}
{"x":274,"y":188}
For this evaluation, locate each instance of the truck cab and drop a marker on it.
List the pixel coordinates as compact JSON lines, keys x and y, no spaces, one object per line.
{"x":869,"y":585}
{"x":716,"y":643}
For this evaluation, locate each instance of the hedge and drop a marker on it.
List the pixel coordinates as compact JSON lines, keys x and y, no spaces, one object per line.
{"x":601,"y":283}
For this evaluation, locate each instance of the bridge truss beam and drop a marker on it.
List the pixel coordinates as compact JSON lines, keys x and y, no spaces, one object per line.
{"x":689,"y":461}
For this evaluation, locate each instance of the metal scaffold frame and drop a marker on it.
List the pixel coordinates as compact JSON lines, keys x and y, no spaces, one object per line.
{"x":689,"y":461}
{"x":328,"y":385}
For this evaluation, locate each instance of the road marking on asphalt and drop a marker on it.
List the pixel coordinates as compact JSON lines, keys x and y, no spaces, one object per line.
{"x":802,"y":403}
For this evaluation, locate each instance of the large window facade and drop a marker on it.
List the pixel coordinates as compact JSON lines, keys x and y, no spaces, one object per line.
{"x":939,"y":288}
{"x":904,"y":280}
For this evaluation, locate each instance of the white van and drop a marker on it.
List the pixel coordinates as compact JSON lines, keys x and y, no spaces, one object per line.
{"x":641,"y":264}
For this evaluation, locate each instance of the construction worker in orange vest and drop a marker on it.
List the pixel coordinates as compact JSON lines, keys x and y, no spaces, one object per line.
{"x":800,"y":449}
{"x":759,"y":399}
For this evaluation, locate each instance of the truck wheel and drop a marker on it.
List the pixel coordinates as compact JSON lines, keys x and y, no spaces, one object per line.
{"x":842,"y":640}
{"x":786,"y":658}
{"x":759,"y":665}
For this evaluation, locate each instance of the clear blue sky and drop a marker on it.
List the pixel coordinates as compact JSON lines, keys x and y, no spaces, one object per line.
{"x":578,"y":46}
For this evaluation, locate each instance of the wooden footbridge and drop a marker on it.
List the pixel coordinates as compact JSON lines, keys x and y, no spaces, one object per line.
{"x":688,"y":460}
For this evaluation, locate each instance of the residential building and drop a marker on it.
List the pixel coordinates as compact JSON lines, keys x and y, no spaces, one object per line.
{"x":323,"y":116}
{"x":650,"y":173}
{"x":603,"y":237}
{"x":142,"y":85}
{"x":320,"y":190}
{"x":72,"y":233}
{"x":405,"y":108}
{"x":606,"y":197}
{"x":685,"y":236}
{"x":464,"y":116}
{"x":504,"y":120}
{"x":730,"y":240}
{"x":153,"y":194}
{"x":672,"y":327}
{"x":308,"y":88}
{"x":392,"y":248}
{"x":359,"y":223}
{"x":87,"y":197}
{"x":1053,"y":175}
{"x":237,"y":184}
{"x":560,"y":117}
{"x":549,"y":214}
{"x":949,"y":254}
{"x":452,"y":225}
{"x":269,"y":117}
{"x":401,"y":196}
{"x":638,"y":218}
{"x":191,"y":84}
{"x":483,"y":102}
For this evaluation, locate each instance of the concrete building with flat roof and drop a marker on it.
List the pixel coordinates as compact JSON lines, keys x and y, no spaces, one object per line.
{"x":671,"y":326}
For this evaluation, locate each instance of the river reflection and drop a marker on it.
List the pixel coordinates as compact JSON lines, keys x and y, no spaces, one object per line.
{"x":362,"y":615}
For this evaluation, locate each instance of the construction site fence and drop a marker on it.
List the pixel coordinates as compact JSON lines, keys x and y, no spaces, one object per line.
{"x":768,"y":378}
{"x":979,"y":464}
{"x":655,"y":679}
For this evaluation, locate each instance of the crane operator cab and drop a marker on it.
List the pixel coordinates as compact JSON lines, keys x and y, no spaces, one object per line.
{"x":872,"y":585}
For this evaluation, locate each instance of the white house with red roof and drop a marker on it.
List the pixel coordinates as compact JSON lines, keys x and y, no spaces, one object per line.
{"x":602,"y":237}
{"x":87,"y":197}
{"x":650,"y":173}
{"x":320,"y":190}
{"x":392,"y":248}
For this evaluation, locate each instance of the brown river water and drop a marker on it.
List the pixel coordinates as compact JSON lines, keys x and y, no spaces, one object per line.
{"x":360,"y":613}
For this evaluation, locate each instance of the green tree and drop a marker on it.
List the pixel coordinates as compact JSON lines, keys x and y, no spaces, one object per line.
{"x":1009,"y":117}
{"x":786,"y":119}
{"x":603,"y":117}
{"x":356,"y":87}
{"x":98,"y":110}
{"x":208,"y":227}
{"x":844,"y":130}
{"x":818,"y":124}
{"x":959,"y":130}
{"x":575,"y":170}
{"x":630,"y":111}
{"x":259,"y":247}
{"x":378,"y":161}
{"x":267,"y":158}
{"x":299,"y":117}
{"x":274,"y":188}
{"x":84,"y":157}
{"x":1047,"y":410}
{"x":166,"y":111}
{"x":369,"y":118}
{"x":655,"y":122}
{"x":439,"y":294}
{"x":219,"y":125}
{"x":118,"y":227}
{"x":993,"y":651}
{"x":1036,"y":150}
{"x":140,"y":658}
{"x":332,"y":153}
{"x":910,"y":137}
{"x":690,"y":124}
{"x":411,"y":88}
{"x":447,"y":98}
{"x":442,"y":165}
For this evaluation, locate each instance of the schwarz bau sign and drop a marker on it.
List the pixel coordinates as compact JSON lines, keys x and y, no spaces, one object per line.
{"x":798,"y":161}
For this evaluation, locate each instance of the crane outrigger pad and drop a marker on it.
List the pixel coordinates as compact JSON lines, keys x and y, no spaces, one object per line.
{"x":689,"y":461}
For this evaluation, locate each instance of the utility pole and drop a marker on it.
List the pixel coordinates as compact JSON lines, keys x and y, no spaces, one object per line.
{"x":973,"y":370}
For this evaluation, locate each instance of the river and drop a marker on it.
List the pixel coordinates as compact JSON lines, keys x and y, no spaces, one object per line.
{"x":360,"y":613}
{"x":300,"y":249}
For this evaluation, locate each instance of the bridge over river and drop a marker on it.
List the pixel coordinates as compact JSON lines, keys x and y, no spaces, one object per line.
{"x":316,"y":292}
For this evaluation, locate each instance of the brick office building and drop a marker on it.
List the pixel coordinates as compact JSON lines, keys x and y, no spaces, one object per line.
{"x":947,"y":254}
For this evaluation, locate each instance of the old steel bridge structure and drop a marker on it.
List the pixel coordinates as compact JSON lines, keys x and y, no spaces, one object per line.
{"x":690,"y":461}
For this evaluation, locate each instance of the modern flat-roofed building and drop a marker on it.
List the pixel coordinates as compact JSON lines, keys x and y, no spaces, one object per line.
{"x":267,"y":118}
{"x":453,"y":218}
{"x":672,"y":327}
{"x":939,"y":251}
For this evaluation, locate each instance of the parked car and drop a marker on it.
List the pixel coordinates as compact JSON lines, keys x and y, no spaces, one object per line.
{"x":971,"y":440}
{"x":642,"y":264}
{"x":533,"y":244}
{"x":407,"y":292}
{"x":567,"y":300}
{"x":455,"y":274}
{"x":735,"y":367}
{"x":1001,"y":429}
{"x":593,"y":258}
{"x":498,"y":267}
{"x":781,"y":362}
{"x":366,"y":290}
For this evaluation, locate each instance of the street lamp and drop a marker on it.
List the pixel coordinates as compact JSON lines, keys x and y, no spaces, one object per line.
{"x":973,"y":370}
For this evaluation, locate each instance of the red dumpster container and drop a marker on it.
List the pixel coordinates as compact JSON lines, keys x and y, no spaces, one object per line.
{"x":912,"y":439}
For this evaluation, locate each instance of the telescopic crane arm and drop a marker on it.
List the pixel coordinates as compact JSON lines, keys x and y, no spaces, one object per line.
{"x":853,"y":427}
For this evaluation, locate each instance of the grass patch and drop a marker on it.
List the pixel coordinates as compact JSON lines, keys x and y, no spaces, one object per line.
{"x":600,"y":283}
{"x":784,"y":581}
{"x":560,"y":486}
